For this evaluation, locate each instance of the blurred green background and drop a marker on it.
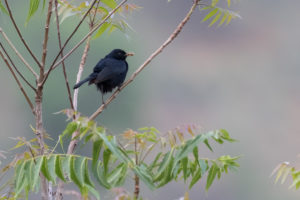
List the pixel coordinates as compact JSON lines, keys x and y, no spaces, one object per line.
{"x":243,"y":77}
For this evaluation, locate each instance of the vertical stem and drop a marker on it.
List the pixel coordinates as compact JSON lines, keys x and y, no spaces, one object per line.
{"x":46,"y":195}
{"x":62,"y":55}
{"x":80,"y":71}
{"x":136,"y":178}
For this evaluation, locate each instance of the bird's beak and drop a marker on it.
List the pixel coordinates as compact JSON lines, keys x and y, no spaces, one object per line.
{"x":129,"y":54}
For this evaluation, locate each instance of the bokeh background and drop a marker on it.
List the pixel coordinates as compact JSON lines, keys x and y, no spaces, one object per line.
{"x":243,"y":77}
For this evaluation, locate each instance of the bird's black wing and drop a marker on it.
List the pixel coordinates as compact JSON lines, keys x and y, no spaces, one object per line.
{"x":111,"y":69}
{"x":100,"y":66}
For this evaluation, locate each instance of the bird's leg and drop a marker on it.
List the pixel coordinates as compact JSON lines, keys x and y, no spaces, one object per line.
{"x":119,"y":88}
{"x":102,"y":98}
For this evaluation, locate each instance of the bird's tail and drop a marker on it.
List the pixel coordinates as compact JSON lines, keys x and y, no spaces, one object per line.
{"x":81,"y":82}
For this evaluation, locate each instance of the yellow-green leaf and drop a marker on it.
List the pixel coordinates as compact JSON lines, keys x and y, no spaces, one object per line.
{"x":2,"y":8}
{"x":33,"y":6}
{"x":110,"y":3}
{"x":215,"y":19}
{"x":210,"y":14}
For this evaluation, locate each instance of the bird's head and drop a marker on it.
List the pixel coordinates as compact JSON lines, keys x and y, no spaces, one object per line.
{"x":119,"y":54}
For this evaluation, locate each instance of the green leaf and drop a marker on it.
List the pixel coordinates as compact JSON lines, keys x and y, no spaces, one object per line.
{"x":76,"y":171}
{"x":102,"y":29}
{"x":195,"y":178}
{"x":98,"y":173}
{"x":184,"y":163}
{"x":215,"y":19}
{"x":228,"y":3}
{"x":164,"y":164}
{"x":195,"y":153}
{"x":189,"y":146}
{"x":167,"y":175}
{"x":2,"y":8}
{"x":33,"y":6}
{"x":115,"y":174}
{"x":122,"y":176}
{"x":223,"y":20}
{"x":93,"y":191}
{"x":210,"y":14}
{"x":110,"y":3}
{"x":96,"y":151}
{"x":225,"y":135}
{"x":114,"y":148}
{"x":51,"y":167}
{"x":154,"y":163}
{"x":70,"y":129}
{"x":203,"y":165}
{"x":58,"y":168}
{"x":37,"y":169}
{"x":208,"y":145}
{"x":86,"y":175}
{"x":106,"y":157}
{"x":30,"y":172}
{"x":229,"y":18}
{"x":211,"y":175}
{"x":45,"y":170}
{"x":66,"y":163}
{"x":20,"y":177}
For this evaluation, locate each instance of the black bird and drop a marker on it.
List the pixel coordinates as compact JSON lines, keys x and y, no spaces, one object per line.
{"x":110,"y":72}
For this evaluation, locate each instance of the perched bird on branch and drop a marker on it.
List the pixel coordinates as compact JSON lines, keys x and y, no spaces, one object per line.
{"x":110,"y":72}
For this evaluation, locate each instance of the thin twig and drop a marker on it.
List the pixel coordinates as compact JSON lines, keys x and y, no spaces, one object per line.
{"x":20,"y":35}
{"x":67,"y":41}
{"x":62,"y":55}
{"x":12,"y":63}
{"x":92,"y":21}
{"x":85,"y":37}
{"x":150,"y":58}
{"x":18,"y":82}
{"x":18,"y":54}
{"x":45,"y":42}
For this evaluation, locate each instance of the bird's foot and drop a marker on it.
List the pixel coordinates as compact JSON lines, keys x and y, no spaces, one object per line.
{"x":104,"y":105}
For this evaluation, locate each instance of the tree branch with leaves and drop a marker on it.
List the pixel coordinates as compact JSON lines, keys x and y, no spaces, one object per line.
{"x":41,"y":164}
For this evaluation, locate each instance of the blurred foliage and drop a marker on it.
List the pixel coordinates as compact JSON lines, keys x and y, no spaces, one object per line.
{"x":216,"y":13}
{"x":283,"y":170}
{"x":115,"y":158}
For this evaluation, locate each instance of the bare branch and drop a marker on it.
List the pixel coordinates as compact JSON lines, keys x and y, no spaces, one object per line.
{"x":151,"y":57}
{"x":18,"y":82}
{"x":67,"y":41}
{"x":20,"y":35}
{"x":92,"y":21}
{"x":85,"y":37}
{"x":12,"y":63}
{"x":80,"y":70}
{"x":18,"y":54}
{"x":62,"y":55}
{"x":45,"y":42}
